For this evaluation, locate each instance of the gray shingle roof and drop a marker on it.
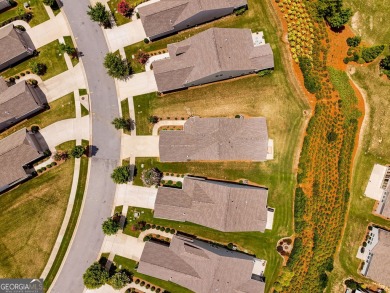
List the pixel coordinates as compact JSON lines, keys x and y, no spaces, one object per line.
{"x":216,"y":139}
{"x":219,"y":205}
{"x":214,"y":51}
{"x":4,"y":4}
{"x":16,"y":150}
{"x":200,"y":267}
{"x":379,"y":268}
{"x":12,"y":43}
{"x":162,"y":16}
{"x":19,"y":100}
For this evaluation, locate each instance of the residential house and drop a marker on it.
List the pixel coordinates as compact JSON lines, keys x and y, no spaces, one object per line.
{"x":4,"y":4}
{"x":213,"y":55}
{"x":378,"y":188}
{"x":202,"y":267}
{"x":19,"y":102}
{"x":376,"y":256}
{"x":216,"y":139}
{"x":15,"y":45}
{"x":17,"y":152}
{"x":166,"y":17}
{"x":224,"y":206}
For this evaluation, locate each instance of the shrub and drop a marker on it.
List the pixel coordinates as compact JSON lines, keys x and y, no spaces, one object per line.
{"x":110,"y":226}
{"x":125,"y":8}
{"x":331,"y":136}
{"x":116,"y":67}
{"x":179,"y":184}
{"x":12,"y":79}
{"x":147,"y":226}
{"x":370,"y":54}
{"x":147,"y":238}
{"x":121,"y":123}
{"x":170,"y":182}
{"x":312,"y":83}
{"x":17,"y":77}
{"x":147,"y":286}
{"x":65,"y":48}
{"x":151,"y":176}
{"x":119,"y":280}
{"x":385,"y":63}
{"x":77,"y":151}
{"x":48,"y":166}
{"x":39,"y":171}
{"x":354,"y":41}
{"x":146,"y":41}
{"x":137,"y":281}
{"x":142,"y":284}
{"x":162,"y":228}
{"x":230,"y":246}
{"x":167,"y":230}
{"x":54,"y":164}
{"x":38,"y":68}
{"x":95,"y":276}
{"x":22,"y":74}
{"x":240,"y":11}
{"x":34,"y":129}
{"x":43,"y":168}
{"x":265,"y":72}
{"x":121,"y":175}
{"x":158,"y":290}
{"x":172,"y":231}
{"x":153,"y":288}
{"x":364,"y":244}
{"x":142,"y":57}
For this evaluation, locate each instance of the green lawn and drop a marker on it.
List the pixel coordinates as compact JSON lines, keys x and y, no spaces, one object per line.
{"x":130,"y":265}
{"x":135,"y":66}
{"x":119,"y":18}
{"x":63,"y":108}
{"x":49,"y":55}
{"x":374,"y":149}
{"x":125,"y":113}
{"x":72,"y":223}
{"x":84,"y":111}
{"x":30,"y":219}
{"x":68,"y":40}
{"x":66,"y":146}
{"x":39,"y":13}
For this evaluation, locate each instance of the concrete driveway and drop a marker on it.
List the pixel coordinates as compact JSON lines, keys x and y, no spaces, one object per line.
{"x":135,"y":196}
{"x":140,"y":146}
{"x":48,"y":31}
{"x":137,"y":84}
{"x":66,"y":130}
{"x":64,"y":83}
{"x":121,"y":36}
{"x":124,"y":245}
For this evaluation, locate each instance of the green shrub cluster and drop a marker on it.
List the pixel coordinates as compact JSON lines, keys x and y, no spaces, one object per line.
{"x":354,"y":41}
{"x":370,"y":54}
{"x":312,"y":82}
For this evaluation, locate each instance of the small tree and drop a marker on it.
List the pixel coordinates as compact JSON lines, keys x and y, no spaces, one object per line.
{"x":354,"y":41}
{"x":119,"y":280}
{"x":116,"y":67}
{"x":110,"y":226}
{"x":385,"y":63}
{"x":121,"y":123}
{"x":65,"y":48}
{"x":142,"y":57}
{"x":151,"y":177}
{"x":99,"y":13}
{"x":370,"y":54}
{"x":95,"y":276}
{"x":77,"y":151}
{"x":125,"y":8}
{"x":121,"y":175}
{"x":37,"y":68}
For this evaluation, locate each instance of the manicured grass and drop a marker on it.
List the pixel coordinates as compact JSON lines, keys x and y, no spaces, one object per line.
{"x":83,"y":92}
{"x":68,"y":41}
{"x":72,"y":223}
{"x":63,"y":108}
{"x":135,"y":65}
{"x":84,"y":111}
{"x":130,"y":265}
{"x":374,"y":150}
{"x":31,"y":216}
{"x":48,"y":55}
{"x":66,"y":146}
{"x":119,"y":18}
{"x":125,"y":113}
{"x":143,"y":106}
{"x":39,"y":13}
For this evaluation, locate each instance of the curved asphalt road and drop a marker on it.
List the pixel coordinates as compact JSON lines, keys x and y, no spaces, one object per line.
{"x":101,"y":190}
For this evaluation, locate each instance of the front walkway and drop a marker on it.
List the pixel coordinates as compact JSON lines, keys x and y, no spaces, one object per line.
{"x":135,"y":196}
{"x":121,"y":36}
{"x":137,"y":84}
{"x":163,"y":123}
{"x":66,"y":130}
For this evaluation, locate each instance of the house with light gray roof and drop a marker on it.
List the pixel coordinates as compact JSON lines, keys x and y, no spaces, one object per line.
{"x":201,"y":267}
{"x":166,"y":17}
{"x":213,"y":55}
{"x":15,"y":45}
{"x":17,"y":153}
{"x":19,"y":102}
{"x":216,"y":139}
{"x":220,"y":205}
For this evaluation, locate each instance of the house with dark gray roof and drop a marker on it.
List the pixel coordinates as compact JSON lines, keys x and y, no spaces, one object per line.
{"x":15,"y":45}
{"x":17,"y":152}
{"x":376,"y":256}
{"x":19,"y":102}
{"x":213,"y":55}
{"x":4,"y":4}
{"x":216,"y":139}
{"x":224,"y":206}
{"x":166,"y":17}
{"x":201,"y":267}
